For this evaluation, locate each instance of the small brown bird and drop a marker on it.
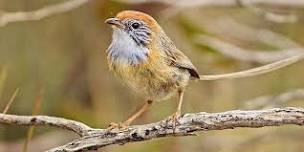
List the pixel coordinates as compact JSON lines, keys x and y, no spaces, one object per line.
{"x":146,"y":59}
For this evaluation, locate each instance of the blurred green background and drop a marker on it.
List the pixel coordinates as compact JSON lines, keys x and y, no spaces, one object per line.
{"x":59,"y":64}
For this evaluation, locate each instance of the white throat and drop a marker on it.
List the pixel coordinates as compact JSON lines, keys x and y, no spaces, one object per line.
{"x":124,"y":50}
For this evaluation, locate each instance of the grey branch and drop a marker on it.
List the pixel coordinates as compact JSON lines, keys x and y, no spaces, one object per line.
{"x":259,"y":56}
{"x":222,"y":3}
{"x":284,"y":46}
{"x":274,"y":17}
{"x":91,"y":139}
{"x":47,"y":11}
{"x":275,"y":100}
{"x":229,"y":27}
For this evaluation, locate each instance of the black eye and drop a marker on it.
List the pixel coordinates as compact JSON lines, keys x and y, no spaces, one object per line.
{"x":135,"y":25}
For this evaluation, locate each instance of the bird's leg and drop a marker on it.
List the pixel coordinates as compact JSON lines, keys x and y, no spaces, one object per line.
{"x":177,"y":114}
{"x":142,"y":110}
{"x":126,"y":123}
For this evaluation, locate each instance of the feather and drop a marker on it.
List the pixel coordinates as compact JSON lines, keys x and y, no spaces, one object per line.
{"x":175,"y":57}
{"x":181,"y":61}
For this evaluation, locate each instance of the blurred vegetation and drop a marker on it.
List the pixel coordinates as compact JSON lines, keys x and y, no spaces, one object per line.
{"x":61,"y":60}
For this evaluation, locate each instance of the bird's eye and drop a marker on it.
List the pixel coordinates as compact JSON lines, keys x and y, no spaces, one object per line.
{"x":135,"y":25}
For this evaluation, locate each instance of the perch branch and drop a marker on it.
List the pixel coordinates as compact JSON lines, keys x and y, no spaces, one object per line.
{"x":6,"y":18}
{"x":92,"y":139}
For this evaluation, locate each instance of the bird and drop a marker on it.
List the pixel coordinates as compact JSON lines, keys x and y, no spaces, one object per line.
{"x":146,"y":59}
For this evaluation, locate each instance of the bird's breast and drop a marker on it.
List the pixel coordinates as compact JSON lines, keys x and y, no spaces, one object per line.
{"x":154,"y":78}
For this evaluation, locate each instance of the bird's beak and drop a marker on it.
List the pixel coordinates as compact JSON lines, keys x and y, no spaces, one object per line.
{"x":115,"y":22}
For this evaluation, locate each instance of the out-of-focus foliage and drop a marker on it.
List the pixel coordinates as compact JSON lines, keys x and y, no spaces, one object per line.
{"x":64,"y":55}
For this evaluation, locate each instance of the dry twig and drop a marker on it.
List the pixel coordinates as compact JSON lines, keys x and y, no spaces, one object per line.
{"x":248,"y":55}
{"x":222,"y":3}
{"x":268,"y":101}
{"x":6,"y":18}
{"x":12,"y":99}
{"x":231,"y":28}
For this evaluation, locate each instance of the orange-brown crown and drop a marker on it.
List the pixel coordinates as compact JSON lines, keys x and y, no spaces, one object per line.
{"x":129,"y":14}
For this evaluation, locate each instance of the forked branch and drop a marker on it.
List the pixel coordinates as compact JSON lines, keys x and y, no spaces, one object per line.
{"x":188,"y":125}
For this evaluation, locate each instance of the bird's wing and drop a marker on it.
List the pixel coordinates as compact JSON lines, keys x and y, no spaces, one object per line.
{"x":179,"y":59}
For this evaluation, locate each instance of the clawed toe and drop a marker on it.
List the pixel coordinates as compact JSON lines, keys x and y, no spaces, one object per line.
{"x":174,"y":118}
{"x":113,"y":125}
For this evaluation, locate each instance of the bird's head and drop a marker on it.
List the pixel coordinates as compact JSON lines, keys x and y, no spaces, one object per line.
{"x":139,"y":26}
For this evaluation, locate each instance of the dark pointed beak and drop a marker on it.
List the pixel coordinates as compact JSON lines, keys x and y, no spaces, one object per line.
{"x":115,"y":22}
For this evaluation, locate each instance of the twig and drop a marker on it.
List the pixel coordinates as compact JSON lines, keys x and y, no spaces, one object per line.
{"x":35,"y":111}
{"x":274,"y":17}
{"x":231,"y":28}
{"x":222,"y":3}
{"x":248,"y":55}
{"x":6,"y":18}
{"x":270,"y":16}
{"x":270,"y":100}
{"x":3,"y":77}
{"x":188,"y":124}
{"x":75,"y":126}
{"x":10,"y":101}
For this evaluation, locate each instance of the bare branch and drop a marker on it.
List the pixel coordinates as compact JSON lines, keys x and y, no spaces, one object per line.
{"x":274,"y":17}
{"x":77,"y":127}
{"x":188,"y":124}
{"x":272,"y":100}
{"x":6,"y":18}
{"x":222,"y":3}
{"x":248,"y":55}
{"x":289,"y":53}
{"x":279,"y":18}
{"x":231,"y":28}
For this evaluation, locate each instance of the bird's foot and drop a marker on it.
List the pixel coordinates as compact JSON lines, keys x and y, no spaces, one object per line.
{"x":174,"y":118}
{"x":120,"y":125}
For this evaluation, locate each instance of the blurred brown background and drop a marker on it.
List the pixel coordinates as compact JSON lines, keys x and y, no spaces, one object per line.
{"x":59,"y":64}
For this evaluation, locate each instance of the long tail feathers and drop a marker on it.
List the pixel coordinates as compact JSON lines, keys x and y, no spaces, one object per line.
{"x":255,"y":71}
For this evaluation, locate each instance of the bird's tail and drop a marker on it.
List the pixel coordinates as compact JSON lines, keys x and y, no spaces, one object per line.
{"x":255,"y":71}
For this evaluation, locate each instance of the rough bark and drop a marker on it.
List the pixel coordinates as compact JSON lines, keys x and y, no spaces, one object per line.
{"x":189,"y":124}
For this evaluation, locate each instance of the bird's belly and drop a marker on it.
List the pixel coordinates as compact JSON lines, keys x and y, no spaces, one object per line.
{"x":154,"y":84}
